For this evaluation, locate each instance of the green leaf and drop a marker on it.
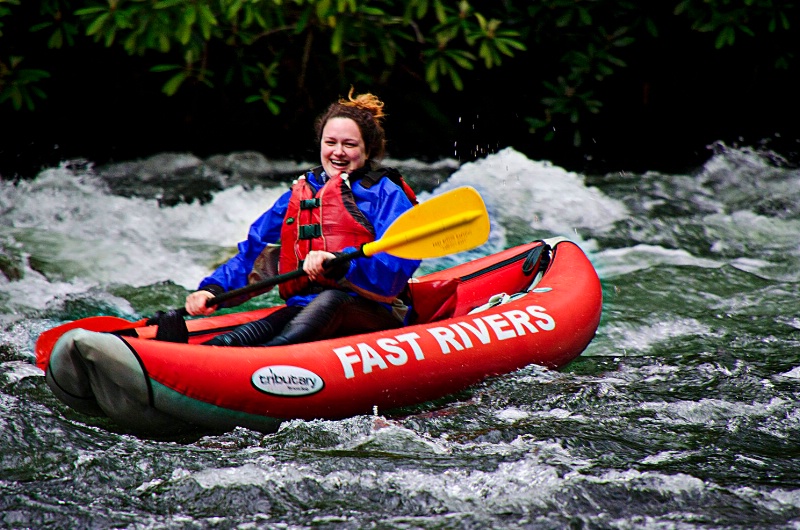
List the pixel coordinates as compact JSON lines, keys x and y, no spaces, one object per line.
{"x":39,"y":27}
{"x":33,"y":75}
{"x":97,"y":24}
{"x":184,"y":31}
{"x":485,"y":52}
{"x":130,"y":43}
{"x":502,"y":48}
{"x":441,"y":14}
{"x":372,"y":11}
{"x":122,"y":20}
{"x":165,"y":67}
{"x":564,"y":20}
{"x":16,"y":98}
{"x":458,"y":84}
{"x":725,"y":36}
{"x":190,"y":15}
{"x":302,"y":22}
{"x":91,"y":10}
{"x":232,"y":8}
{"x":616,"y":61}
{"x":447,"y":34}
{"x":535,"y":123}
{"x":681,"y":7}
{"x":39,"y":92}
{"x":56,"y":40}
{"x":463,"y":59}
{"x":336,"y":39}
{"x":481,"y":22}
{"x":431,"y":76}
{"x":166,"y":4}
{"x":517,"y":45}
{"x":652,"y":29}
{"x":323,"y":8}
{"x":604,"y":70}
{"x":273,"y":107}
{"x":206,"y":22}
{"x":346,"y":5}
{"x":174,"y":83}
{"x":163,"y":43}
{"x":585,"y":16}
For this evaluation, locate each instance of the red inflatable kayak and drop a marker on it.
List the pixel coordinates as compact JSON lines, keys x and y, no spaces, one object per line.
{"x":535,"y":303}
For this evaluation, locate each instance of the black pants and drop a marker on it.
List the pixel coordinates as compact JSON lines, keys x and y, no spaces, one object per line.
{"x":332,"y":313}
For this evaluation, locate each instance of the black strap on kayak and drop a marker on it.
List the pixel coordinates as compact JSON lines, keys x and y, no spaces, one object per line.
{"x":537,"y":260}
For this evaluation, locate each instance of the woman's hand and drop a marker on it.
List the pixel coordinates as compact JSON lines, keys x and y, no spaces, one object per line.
{"x":314,"y":266}
{"x":196,"y":303}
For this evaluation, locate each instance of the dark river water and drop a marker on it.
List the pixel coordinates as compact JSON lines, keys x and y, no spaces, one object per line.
{"x":681,"y":414}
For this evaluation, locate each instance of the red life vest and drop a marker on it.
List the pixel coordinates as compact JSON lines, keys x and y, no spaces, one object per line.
{"x":327,"y":220}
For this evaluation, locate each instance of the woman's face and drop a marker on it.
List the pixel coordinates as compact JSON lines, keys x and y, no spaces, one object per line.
{"x":342,"y":148}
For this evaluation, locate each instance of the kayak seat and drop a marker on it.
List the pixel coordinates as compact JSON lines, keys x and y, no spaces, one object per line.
{"x":444,"y":294}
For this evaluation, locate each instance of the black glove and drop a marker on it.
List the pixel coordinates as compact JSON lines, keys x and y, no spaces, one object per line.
{"x":172,"y":327}
{"x":335,"y":269}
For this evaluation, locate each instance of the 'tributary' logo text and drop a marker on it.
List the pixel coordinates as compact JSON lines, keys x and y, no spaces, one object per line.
{"x":287,"y":381}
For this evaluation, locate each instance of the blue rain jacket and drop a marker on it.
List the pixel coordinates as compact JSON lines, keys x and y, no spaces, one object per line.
{"x":382,"y":273}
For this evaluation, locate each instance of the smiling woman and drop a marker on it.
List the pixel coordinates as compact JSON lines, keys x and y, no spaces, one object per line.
{"x":334,"y":209}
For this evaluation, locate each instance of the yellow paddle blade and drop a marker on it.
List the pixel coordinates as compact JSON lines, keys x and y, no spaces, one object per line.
{"x":448,"y":223}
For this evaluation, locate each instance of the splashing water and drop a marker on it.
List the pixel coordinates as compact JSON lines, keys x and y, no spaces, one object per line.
{"x":680,"y":414}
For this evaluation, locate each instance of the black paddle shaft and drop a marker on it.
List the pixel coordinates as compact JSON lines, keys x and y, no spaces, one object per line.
{"x":274,"y":280}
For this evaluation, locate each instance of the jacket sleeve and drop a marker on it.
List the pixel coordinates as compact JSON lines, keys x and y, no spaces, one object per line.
{"x":266,"y":229}
{"x":382,"y":274}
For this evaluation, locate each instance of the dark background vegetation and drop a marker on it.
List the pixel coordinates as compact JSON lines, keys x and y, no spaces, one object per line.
{"x":671,"y":92}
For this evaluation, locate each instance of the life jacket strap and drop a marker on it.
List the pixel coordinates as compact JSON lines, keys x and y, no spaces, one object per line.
{"x":310,"y":204}
{"x":309,"y":231}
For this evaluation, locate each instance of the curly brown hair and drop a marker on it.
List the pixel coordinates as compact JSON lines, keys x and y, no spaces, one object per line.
{"x":367,"y":111}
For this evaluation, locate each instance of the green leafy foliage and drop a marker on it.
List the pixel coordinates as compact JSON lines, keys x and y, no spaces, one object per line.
{"x":265,"y":50}
{"x":5,"y":10}
{"x":20,"y":86}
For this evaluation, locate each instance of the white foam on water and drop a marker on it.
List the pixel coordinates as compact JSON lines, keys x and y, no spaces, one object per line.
{"x":620,"y":261}
{"x":635,"y":337}
{"x":72,"y":235}
{"x":714,"y":412}
{"x":794,"y":373}
{"x":547,"y":198}
{"x":512,"y":414}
